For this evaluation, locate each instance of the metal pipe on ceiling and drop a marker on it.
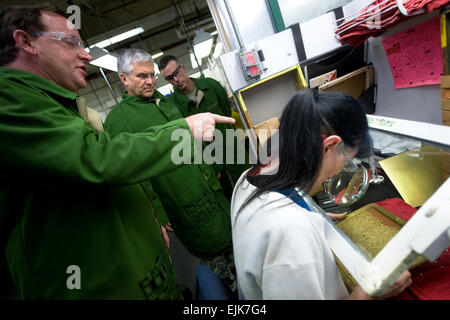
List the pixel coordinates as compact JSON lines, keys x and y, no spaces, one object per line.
{"x":180,"y":19}
{"x":118,"y":7}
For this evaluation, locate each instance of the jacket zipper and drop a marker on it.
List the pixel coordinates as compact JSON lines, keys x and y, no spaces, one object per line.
{"x":153,"y":209}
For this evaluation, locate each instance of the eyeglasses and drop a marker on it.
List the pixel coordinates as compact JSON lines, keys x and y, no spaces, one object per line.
{"x":349,"y":184}
{"x":349,"y":164}
{"x":71,"y":40}
{"x":170,"y":77}
{"x":145,"y":76}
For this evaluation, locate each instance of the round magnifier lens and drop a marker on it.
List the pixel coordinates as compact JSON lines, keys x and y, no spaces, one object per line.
{"x":347,"y":187}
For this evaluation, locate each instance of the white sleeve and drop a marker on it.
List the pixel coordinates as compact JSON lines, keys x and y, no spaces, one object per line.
{"x":292,"y":283}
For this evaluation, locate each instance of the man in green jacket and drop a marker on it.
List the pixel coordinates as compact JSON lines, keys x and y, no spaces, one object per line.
{"x":74,"y":223}
{"x":198,"y":210}
{"x":196,"y":95}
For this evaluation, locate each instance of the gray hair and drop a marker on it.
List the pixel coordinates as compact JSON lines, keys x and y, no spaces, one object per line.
{"x":127,"y":57}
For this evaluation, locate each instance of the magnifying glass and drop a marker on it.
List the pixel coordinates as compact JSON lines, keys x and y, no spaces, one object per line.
{"x":348,"y":185}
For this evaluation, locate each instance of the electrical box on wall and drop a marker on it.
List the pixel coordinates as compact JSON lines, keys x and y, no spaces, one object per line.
{"x":251,"y":62}
{"x":274,"y":54}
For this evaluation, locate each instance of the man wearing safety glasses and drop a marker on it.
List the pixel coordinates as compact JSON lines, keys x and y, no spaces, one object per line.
{"x":74,"y":223}
{"x":195,"y":95}
{"x":197,"y":209}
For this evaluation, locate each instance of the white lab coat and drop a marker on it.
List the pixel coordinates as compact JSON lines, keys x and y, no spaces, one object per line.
{"x":280,"y":249}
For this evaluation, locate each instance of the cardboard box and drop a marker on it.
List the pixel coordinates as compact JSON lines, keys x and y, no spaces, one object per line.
{"x":265,"y":129}
{"x":322,"y":79}
{"x":445,"y":115}
{"x":445,"y":104}
{"x":445,"y":87}
{"x":445,"y":93}
{"x":445,"y":82}
{"x":354,"y":83}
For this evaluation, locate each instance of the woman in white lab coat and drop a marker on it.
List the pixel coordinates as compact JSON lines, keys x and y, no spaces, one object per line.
{"x":279,"y":243}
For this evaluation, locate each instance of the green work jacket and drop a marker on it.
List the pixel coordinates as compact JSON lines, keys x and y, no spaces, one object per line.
{"x":215,"y":100}
{"x":197,"y":208}
{"x":78,"y":224}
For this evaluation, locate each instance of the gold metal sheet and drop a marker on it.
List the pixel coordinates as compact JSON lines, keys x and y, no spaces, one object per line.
{"x":416,"y":174}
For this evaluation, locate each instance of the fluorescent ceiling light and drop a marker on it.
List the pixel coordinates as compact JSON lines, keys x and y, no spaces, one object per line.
{"x":193,"y":62}
{"x":203,"y":49}
{"x":203,"y":42}
{"x":157,"y":55}
{"x":103,"y":59}
{"x":106,"y":62}
{"x":118,"y":38}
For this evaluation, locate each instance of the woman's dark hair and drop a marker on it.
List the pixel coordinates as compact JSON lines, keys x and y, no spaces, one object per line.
{"x":307,"y":117}
{"x":26,"y":18}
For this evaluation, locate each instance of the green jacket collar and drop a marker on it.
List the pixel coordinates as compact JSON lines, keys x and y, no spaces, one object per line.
{"x":133,"y":99}
{"x":34,"y":80}
{"x":200,"y":83}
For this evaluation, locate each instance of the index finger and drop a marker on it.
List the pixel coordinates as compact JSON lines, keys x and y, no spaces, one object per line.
{"x":404,"y":276}
{"x":336,"y":216}
{"x":222,"y":119}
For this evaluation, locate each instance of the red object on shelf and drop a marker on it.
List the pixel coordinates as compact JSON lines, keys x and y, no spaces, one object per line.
{"x":373,"y":20}
{"x":415,"y":55}
{"x":431,"y":280}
